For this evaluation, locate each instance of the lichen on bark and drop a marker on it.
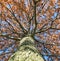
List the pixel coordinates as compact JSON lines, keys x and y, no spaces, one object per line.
{"x":27,"y":51}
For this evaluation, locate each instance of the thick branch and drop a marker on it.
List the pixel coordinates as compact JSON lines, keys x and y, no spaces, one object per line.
{"x":9,"y":37}
{"x":35,"y":17}
{"x":47,"y":29}
{"x":47,"y":43}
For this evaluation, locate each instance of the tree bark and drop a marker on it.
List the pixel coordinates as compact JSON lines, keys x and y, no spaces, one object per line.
{"x":27,"y":51}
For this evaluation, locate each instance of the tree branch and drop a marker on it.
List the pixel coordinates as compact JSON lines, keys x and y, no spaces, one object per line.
{"x":53,"y":55}
{"x":47,"y":43}
{"x":9,"y":37}
{"x":47,"y":29}
{"x":52,"y":21}
{"x":24,"y":30}
{"x":35,"y":17}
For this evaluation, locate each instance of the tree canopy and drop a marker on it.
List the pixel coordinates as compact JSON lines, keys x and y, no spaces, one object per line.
{"x":39,"y":19}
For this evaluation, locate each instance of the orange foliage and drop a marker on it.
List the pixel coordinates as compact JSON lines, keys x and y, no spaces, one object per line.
{"x":18,"y":18}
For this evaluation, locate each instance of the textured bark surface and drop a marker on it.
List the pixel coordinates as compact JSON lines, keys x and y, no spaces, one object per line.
{"x":27,"y":51}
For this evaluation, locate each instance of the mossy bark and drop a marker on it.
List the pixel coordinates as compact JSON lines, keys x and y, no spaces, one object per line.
{"x":27,"y":51}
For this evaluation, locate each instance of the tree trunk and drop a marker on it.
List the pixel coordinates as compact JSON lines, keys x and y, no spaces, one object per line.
{"x":27,"y":51}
